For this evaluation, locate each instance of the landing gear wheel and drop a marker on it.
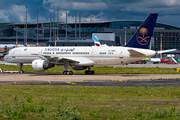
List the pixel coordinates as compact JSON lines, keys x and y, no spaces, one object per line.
{"x":21,"y":71}
{"x":64,"y":73}
{"x":70,"y":72}
{"x":67,"y":72}
{"x":89,"y":72}
{"x":92,"y":72}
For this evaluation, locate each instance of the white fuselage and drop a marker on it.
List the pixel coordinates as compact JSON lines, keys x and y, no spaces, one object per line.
{"x":99,"y":55}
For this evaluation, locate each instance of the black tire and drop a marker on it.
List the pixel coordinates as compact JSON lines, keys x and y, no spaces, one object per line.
{"x":71,"y":72}
{"x":92,"y":72}
{"x":21,"y":71}
{"x":86,"y":72}
{"x":89,"y":72}
{"x":68,"y":72}
{"x":64,"y":73}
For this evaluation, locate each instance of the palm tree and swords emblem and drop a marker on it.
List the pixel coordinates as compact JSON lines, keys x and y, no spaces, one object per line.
{"x":142,"y":40}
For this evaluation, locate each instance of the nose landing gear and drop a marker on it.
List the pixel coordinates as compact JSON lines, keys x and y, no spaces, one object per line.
{"x":20,"y":68}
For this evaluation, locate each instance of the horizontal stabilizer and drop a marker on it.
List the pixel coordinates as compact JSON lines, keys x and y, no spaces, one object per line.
{"x":134,"y":53}
{"x":165,"y":51}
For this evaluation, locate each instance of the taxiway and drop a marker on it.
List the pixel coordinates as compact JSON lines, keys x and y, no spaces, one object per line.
{"x":91,"y":80}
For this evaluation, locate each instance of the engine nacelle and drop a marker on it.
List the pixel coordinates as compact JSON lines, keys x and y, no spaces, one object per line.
{"x":78,"y":67}
{"x":41,"y":65}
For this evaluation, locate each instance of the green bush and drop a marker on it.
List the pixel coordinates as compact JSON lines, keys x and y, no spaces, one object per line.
{"x":29,"y":99}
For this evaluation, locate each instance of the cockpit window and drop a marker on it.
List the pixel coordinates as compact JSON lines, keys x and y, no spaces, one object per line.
{"x":11,"y":52}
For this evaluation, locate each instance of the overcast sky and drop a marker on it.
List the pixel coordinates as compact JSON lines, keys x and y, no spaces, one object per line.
{"x":91,"y":10}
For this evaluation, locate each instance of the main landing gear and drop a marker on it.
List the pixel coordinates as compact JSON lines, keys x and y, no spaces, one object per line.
{"x":67,"y":72}
{"x":66,"y":66}
{"x":89,"y":71}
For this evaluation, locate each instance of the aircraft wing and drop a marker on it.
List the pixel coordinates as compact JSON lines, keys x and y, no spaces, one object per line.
{"x":72,"y":60}
{"x":52,"y":58}
{"x":134,"y":53}
{"x":164,"y":51}
{"x":79,"y":60}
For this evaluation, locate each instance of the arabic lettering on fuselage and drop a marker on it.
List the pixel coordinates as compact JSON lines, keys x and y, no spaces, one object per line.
{"x":60,"y":49}
{"x":70,"y":49}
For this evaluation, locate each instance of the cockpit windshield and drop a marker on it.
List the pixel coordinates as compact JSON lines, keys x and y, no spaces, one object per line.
{"x":11,"y":52}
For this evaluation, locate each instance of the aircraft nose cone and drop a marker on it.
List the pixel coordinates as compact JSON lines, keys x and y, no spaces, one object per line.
{"x":5,"y":58}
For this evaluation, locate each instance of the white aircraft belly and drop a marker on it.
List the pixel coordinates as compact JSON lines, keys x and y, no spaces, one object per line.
{"x":106,"y":61}
{"x":114,"y":61}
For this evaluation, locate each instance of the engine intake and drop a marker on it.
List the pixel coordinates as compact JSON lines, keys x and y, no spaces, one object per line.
{"x":41,"y":65}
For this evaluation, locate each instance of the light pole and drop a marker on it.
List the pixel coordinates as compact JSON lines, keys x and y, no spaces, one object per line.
{"x":66,"y":26}
{"x":125,"y":35}
{"x":37,"y":27}
{"x":156,"y":48}
{"x":50,"y":25}
{"x":75,"y":25}
{"x":161,"y":46}
{"x":26,"y":27}
{"x":17,"y":37}
{"x":120,"y":41}
{"x":79,"y":26}
{"x":57,"y":21}
{"x":53,"y":23}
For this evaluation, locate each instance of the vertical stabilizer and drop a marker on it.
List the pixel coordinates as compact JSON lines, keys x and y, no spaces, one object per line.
{"x":142,"y":37}
{"x":96,"y":41}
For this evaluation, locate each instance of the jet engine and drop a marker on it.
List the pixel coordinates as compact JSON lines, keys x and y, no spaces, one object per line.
{"x":79,"y":67}
{"x":41,"y":65}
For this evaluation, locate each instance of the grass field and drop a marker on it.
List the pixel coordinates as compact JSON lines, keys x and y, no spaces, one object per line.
{"x":98,"y":70}
{"x":84,"y":102}
{"x":90,"y":102}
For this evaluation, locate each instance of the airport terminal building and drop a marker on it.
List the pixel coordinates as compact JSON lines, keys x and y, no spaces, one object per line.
{"x":81,"y":34}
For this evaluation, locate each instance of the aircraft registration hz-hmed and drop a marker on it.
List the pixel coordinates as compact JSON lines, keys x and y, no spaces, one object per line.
{"x":80,"y":58}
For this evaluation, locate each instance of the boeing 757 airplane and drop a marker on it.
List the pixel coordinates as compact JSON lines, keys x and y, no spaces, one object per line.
{"x":80,"y":58}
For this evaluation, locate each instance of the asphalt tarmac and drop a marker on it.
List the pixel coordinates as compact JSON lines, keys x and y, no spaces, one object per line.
{"x":149,"y":65}
{"x":153,"y":80}
{"x":90,"y":80}
{"x":162,"y":83}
